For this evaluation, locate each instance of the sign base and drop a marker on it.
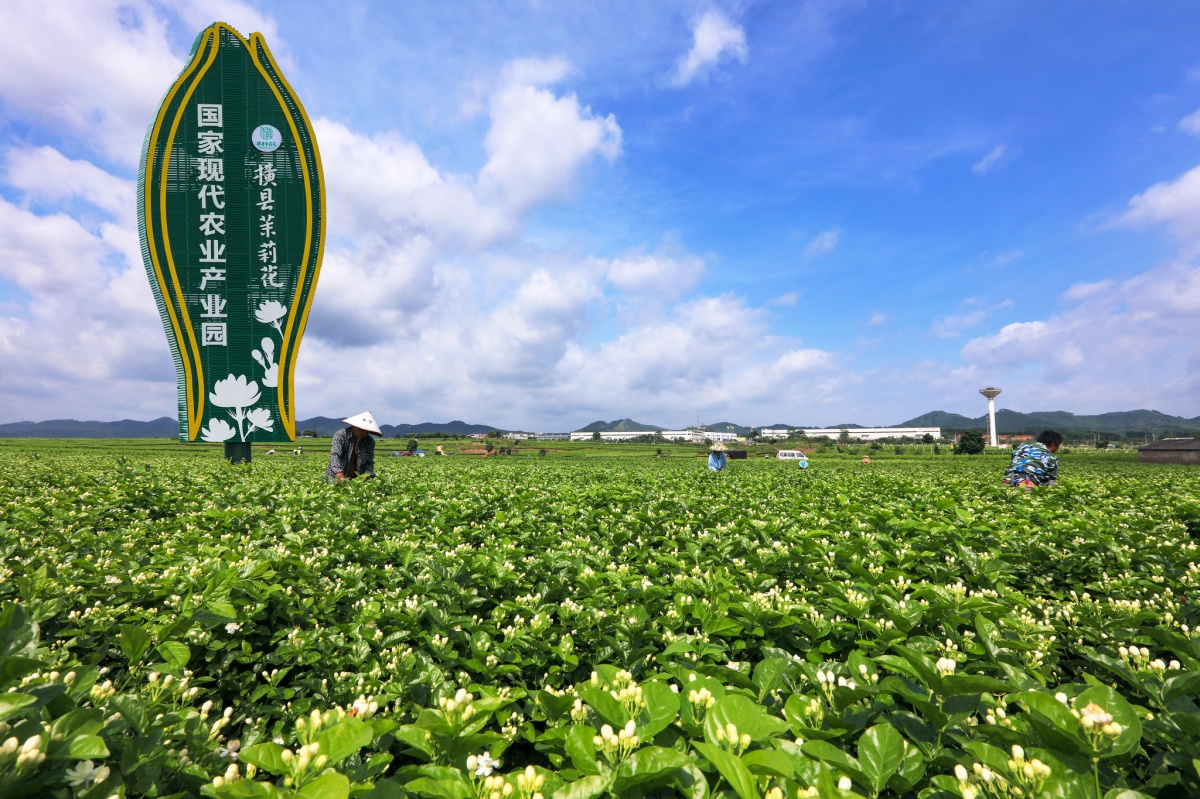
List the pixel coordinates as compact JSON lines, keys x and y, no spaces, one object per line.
{"x":237,"y":451}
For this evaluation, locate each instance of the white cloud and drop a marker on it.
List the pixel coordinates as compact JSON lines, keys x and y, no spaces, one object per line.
{"x":713,"y":37}
{"x":786,"y":300}
{"x":46,"y":175}
{"x":660,"y":275}
{"x":1191,"y":123}
{"x":537,"y":140}
{"x":1116,"y":344}
{"x":1173,"y":203}
{"x":992,"y":161}
{"x":96,"y":68}
{"x":825,"y":242}
{"x":877,"y":319}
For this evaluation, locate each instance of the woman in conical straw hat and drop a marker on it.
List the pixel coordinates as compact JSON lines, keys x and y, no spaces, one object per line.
{"x":716,"y":457}
{"x":352,"y":453}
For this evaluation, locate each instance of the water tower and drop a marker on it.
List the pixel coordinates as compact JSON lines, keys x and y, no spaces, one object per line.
{"x":991,"y":393}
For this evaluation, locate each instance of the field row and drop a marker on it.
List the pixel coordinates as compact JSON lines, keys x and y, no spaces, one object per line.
{"x":575,"y":629}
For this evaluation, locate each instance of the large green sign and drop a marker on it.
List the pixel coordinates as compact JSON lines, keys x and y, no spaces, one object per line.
{"x":231,"y":214}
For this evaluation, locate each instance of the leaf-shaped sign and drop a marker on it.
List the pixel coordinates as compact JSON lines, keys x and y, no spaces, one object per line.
{"x":231,"y":216}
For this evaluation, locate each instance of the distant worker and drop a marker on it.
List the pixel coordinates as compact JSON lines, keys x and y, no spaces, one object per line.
{"x":298,"y":451}
{"x":866,"y":461}
{"x":1035,"y":464}
{"x":439,"y":450}
{"x":352,"y":453}
{"x":716,"y":458}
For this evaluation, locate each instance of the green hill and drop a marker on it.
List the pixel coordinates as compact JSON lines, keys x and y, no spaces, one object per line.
{"x":618,"y":426}
{"x":1008,"y":421}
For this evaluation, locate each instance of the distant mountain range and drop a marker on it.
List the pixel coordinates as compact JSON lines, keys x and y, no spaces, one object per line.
{"x":1014,"y":422}
{"x":1007,"y":421}
{"x":619,"y":426}
{"x":326,"y":426}
{"x":166,"y":427}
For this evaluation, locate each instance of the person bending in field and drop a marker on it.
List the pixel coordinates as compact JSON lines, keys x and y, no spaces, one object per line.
{"x":1035,"y":464}
{"x":717,"y":461}
{"x":352,"y":453}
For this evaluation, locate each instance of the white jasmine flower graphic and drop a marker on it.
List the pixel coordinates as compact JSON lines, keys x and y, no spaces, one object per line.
{"x":270,"y":312}
{"x":260,"y":419}
{"x":239,"y":394}
{"x":218,"y":430}
{"x":266,"y":359}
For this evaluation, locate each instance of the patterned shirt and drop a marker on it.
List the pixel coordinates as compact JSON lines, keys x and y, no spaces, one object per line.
{"x":339,"y":453}
{"x":1032,"y":463}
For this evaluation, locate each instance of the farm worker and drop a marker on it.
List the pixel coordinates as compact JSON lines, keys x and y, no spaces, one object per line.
{"x":439,"y":450}
{"x":1035,"y":464}
{"x":353,"y":450}
{"x":866,"y":461}
{"x":716,"y":457}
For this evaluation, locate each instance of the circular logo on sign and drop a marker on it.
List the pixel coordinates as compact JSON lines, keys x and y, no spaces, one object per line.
{"x":267,"y":138}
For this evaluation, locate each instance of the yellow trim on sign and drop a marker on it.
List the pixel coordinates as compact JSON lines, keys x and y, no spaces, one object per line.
{"x":297,"y":321}
{"x":195,"y":399}
{"x":148,"y":204}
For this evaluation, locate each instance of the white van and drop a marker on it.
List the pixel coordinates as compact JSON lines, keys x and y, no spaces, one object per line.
{"x":793,"y":455}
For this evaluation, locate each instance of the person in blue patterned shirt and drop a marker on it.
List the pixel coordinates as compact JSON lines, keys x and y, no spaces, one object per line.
{"x":352,"y":451}
{"x":1035,"y":464}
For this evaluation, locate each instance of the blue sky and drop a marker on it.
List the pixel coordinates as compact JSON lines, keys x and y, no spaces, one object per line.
{"x":799,"y":212}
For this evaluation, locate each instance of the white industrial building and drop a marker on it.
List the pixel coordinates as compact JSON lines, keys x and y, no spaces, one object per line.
{"x":687,"y":436}
{"x":873,"y":433}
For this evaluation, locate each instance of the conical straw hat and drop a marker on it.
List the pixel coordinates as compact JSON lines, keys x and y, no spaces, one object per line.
{"x":365,"y":421}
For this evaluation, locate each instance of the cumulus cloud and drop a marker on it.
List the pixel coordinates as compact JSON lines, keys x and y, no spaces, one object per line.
{"x":994,"y":159}
{"x":1191,"y":123}
{"x":876,"y":318}
{"x":714,"y":37}
{"x":1115,"y":344}
{"x":1175,"y":204}
{"x":825,"y":242}
{"x":97,"y":69}
{"x":538,"y":140}
{"x":660,"y":275}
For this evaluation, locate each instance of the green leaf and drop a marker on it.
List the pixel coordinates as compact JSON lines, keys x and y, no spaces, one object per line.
{"x":647,"y":764}
{"x":175,"y":653}
{"x":768,"y":674}
{"x":134,"y":643}
{"x":744,"y":713}
{"x":823,"y":750}
{"x":1060,"y":727}
{"x":880,"y":753}
{"x":604,"y":704}
{"x":957,"y":684}
{"x":10,"y":704}
{"x":691,"y":783}
{"x":1126,"y":793}
{"x":13,"y":668}
{"x":87,"y":747}
{"x":416,"y":737}
{"x":18,"y":632}
{"x":768,"y":763}
{"x":662,"y":707}
{"x":327,"y":786}
{"x":731,"y":768}
{"x":440,"y":788}
{"x":221,"y":608}
{"x":581,"y":748}
{"x":586,"y":788}
{"x":266,"y":756}
{"x":1122,"y":713}
{"x":344,"y":739}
